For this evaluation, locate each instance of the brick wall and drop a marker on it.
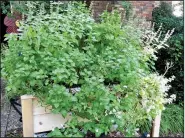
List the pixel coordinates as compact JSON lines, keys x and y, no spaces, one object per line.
{"x":140,"y":8}
{"x":143,"y":8}
{"x":99,"y":6}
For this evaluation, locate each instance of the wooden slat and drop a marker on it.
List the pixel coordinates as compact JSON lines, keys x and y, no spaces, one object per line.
{"x":39,"y":109}
{"x":27,"y":116}
{"x":24,"y":97}
{"x":46,"y":122}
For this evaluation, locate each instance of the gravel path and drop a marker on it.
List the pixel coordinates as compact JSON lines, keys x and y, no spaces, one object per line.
{"x":13,"y":121}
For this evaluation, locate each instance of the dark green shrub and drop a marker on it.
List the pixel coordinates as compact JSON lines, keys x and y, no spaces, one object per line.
{"x":172,"y":121}
{"x":174,"y":52}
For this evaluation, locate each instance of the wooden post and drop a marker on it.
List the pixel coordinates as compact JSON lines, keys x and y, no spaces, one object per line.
{"x":27,"y":115}
{"x":156,"y":126}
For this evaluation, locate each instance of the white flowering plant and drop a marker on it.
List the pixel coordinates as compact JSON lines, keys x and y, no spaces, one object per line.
{"x":153,"y":42}
{"x":153,"y":92}
{"x":64,"y":49}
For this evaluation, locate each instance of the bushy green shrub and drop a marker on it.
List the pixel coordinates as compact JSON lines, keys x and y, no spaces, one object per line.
{"x":171,"y":121}
{"x":65,"y":48}
{"x":163,"y":15}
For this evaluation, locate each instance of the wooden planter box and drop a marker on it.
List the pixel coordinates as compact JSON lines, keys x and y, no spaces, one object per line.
{"x":37,"y":118}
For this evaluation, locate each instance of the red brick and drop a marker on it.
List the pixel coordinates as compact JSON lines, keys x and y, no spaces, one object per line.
{"x":142,"y":8}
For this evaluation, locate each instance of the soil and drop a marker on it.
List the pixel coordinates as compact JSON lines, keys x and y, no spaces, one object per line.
{"x":19,"y":133}
{"x":181,"y":135}
{"x":113,"y":134}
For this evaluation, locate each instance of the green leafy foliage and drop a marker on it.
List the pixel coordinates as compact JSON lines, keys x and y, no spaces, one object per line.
{"x":65,"y":48}
{"x":22,"y":7}
{"x":5,"y":7}
{"x":171,"y":121}
{"x":163,"y":15}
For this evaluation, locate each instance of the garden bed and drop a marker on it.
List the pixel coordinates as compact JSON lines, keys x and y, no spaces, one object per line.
{"x":38,"y":118}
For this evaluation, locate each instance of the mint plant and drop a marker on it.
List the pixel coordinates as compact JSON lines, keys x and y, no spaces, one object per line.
{"x":65,"y":48}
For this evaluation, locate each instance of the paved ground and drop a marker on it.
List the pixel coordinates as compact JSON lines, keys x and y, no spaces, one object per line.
{"x":13,"y":121}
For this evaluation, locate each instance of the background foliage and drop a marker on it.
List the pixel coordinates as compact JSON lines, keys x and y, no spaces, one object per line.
{"x":171,"y":121}
{"x":172,"y":118}
{"x":164,"y":14}
{"x":128,"y":8}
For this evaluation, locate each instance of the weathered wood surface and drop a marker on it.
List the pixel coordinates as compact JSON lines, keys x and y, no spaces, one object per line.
{"x":27,"y":116}
{"x":156,"y":126}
